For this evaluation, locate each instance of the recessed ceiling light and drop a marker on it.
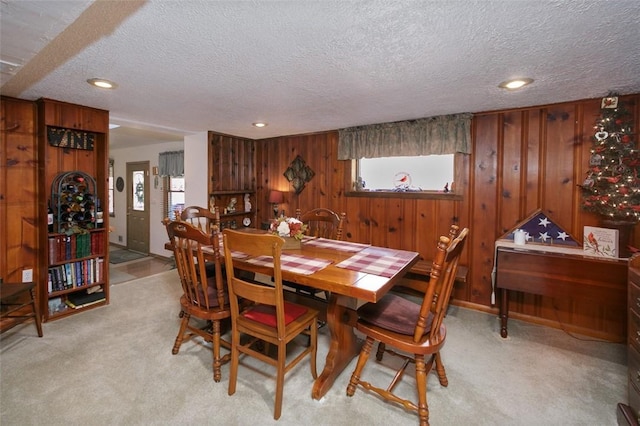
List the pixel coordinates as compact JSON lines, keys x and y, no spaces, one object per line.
{"x":259,"y":124}
{"x":102,"y":83}
{"x":515,"y":83}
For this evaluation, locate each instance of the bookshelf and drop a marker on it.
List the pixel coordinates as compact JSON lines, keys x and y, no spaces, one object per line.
{"x":73,"y":146}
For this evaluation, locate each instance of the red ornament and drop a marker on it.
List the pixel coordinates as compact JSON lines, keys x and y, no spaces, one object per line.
{"x":618,"y":121}
{"x":626,"y":139}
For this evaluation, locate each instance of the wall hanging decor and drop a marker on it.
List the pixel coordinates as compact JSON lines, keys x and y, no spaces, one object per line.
{"x":298,"y":174}
{"x":74,"y":139}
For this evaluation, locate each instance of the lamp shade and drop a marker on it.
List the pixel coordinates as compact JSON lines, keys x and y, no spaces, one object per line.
{"x":275,"y":197}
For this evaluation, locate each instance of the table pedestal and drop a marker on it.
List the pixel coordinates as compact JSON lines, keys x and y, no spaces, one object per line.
{"x":341,"y":316}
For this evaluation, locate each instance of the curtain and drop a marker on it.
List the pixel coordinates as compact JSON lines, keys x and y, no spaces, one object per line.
{"x":171,"y":163}
{"x":445,"y":134}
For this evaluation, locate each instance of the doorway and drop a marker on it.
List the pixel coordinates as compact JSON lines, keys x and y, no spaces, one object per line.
{"x":138,"y":217}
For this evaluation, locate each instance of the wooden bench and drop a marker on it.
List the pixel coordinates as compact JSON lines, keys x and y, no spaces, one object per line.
{"x":17,"y":305}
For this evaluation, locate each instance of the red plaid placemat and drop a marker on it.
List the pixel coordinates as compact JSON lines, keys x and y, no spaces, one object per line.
{"x":335,"y":245}
{"x":293,"y":263}
{"x":383,"y":262}
{"x":236,"y":254}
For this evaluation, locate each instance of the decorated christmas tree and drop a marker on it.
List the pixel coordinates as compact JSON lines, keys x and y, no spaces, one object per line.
{"x":612,"y":185}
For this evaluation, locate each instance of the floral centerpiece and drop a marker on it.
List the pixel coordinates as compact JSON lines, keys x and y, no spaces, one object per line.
{"x":289,"y":228}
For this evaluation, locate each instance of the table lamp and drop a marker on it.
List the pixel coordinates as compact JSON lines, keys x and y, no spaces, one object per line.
{"x":275,"y":198}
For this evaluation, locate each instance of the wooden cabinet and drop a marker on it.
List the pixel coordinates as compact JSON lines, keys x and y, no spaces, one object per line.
{"x":629,"y":412}
{"x":232,"y":175}
{"x":238,"y":216}
{"x":76,"y":257}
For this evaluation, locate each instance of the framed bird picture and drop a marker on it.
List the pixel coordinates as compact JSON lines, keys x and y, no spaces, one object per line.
{"x":601,"y":241}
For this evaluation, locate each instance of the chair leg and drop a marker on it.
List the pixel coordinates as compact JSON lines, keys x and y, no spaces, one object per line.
{"x":217,"y":364}
{"x":380,"y":352}
{"x":362,"y":360}
{"x":442,"y":374}
{"x":235,"y":354}
{"x":421,"y":383}
{"x":183,"y":327}
{"x":313,"y":337}
{"x":282,"y":354}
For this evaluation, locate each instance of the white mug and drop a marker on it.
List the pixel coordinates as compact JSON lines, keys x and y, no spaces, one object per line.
{"x":520,"y":237}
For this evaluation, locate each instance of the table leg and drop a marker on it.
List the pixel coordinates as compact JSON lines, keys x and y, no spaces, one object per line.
{"x":343,"y":346}
{"x":504,"y":312}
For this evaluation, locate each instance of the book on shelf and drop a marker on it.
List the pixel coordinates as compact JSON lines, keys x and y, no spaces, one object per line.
{"x":601,"y":241}
{"x":75,"y":246}
{"x":82,"y":299}
{"x":75,"y":274}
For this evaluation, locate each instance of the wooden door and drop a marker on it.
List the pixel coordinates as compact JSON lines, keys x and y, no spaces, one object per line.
{"x":137,"y":184}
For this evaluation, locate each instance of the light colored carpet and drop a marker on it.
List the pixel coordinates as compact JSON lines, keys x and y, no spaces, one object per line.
{"x":113,"y":365}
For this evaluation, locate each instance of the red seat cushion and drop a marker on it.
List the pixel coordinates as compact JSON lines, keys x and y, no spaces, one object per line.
{"x":393,"y":313}
{"x":266,"y":314}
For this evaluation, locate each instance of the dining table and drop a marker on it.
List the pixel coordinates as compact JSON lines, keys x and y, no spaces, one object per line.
{"x":351,"y":272}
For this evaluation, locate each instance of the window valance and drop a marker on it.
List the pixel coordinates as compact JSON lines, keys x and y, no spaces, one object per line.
{"x":171,"y":163}
{"x":445,"y":134}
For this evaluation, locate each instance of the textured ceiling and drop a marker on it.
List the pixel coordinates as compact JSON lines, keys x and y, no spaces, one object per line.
{"x":305,"y":66}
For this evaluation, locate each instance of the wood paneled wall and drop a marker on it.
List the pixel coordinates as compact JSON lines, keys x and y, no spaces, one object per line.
{"x":522,"y":160}
{"x":19,"y":216}
{"x":232,"y":164}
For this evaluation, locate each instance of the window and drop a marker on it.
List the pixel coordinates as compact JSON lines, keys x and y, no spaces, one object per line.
{"x":173,"y":195}
{"x":421,"y":173}
{"x":112,"y":210}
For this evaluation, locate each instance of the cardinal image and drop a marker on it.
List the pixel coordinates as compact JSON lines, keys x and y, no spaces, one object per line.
{"x":593,"y":241}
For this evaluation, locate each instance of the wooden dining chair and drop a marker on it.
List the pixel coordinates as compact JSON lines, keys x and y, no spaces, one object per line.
{"x":270,"y":319}
{"x":406,"y":327}
{"x":321,"y":223}
{"x":200,"y":217}
{"x":414,"y":288}
{"x":203,"y":297}
{"x":206,"y":221}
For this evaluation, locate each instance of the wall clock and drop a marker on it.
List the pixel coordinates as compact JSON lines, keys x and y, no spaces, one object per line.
{"x":402,"y":180}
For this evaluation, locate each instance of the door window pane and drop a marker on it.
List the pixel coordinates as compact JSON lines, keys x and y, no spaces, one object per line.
{"x":138,"y":190}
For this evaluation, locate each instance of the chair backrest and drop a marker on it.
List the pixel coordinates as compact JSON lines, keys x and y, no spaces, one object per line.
{"x":201,"y":218}
{"x":187,"y":242}
{"x":323,"y":223}
{"x":442,"y":277}
{"x":453,"y":232}
{"x":253,"y":244}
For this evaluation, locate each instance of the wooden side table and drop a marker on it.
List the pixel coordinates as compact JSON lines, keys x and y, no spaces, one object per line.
{"x":18,"y":304}
{"x":564,"y":275}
